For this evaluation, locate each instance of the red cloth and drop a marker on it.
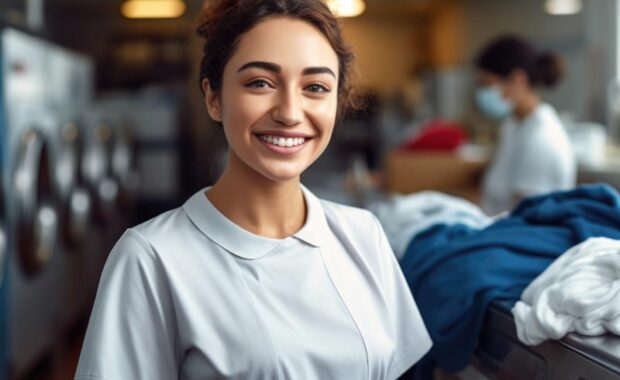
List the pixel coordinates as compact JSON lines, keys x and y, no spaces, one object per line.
{"x":437,"y":135}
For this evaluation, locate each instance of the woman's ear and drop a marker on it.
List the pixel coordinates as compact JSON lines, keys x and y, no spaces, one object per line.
{"x":212,"y":101}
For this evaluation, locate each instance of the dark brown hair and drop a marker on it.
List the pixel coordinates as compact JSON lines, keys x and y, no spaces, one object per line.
{"x":222,"y":22}
{"x":507,"y":53}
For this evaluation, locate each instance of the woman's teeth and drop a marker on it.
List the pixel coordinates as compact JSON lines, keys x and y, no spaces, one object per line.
{"x":283,"y":141}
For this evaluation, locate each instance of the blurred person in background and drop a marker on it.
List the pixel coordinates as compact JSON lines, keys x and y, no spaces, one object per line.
{"x":533,"y":154}
{"x":255,"y":277}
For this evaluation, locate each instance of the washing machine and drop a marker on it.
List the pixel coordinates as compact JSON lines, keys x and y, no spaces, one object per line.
{"x":66,"y":164}
{"x":70,"y":93}
{"x":34,"y":295}
{"x":96,"y":170}
{"x":118,"y":112}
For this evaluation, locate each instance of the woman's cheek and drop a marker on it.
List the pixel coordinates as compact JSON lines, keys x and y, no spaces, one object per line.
{"x":325,"y":113}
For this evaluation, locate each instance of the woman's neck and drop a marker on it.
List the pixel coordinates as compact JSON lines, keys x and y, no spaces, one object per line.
{"x":526,"y":106}
{"x":257,"y":204}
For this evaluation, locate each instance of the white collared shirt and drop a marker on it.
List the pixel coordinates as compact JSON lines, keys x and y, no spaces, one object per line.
{"x":533,"y":156}
{"x":191,"y":295}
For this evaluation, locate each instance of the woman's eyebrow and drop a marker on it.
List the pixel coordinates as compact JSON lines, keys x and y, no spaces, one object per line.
{"x":261,"y":65}
{"x":318,"y":70}
{"x":273,"y":67}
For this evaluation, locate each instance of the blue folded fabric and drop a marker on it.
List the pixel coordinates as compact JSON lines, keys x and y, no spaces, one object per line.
{"x":454,"y":272}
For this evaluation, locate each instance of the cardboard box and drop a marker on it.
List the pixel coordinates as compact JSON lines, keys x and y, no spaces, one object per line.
{"x":448,"y":172}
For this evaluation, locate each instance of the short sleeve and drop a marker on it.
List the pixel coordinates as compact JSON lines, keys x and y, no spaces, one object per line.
{"x":131,"y":333}
{"x":411,"y":338}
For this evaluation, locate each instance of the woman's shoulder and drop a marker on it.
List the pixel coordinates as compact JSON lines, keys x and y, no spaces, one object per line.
{"x":545,"y":114}
{"x":336,"y":209}
{"x":166,"y":223}
{"x":168,"y":229}
{"x":348,"y":217}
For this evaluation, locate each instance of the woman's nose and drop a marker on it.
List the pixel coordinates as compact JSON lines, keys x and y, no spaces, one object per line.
{"x":289,"y":110}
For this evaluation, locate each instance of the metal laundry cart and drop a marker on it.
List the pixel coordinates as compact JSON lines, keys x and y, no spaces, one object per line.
{"x":500,"y":354}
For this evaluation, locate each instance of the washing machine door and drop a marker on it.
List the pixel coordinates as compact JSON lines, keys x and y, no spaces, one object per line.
{"x":97,"y":173}
{"x":65,"y":168}
{"x":36,"y":217}
{"x":74,"y":199}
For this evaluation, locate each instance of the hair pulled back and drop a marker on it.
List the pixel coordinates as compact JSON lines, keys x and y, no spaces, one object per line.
{"x":222,"y":23}
{"x":508,"y":53}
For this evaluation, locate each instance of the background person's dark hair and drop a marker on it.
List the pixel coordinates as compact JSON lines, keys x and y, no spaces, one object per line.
{"x":222,"y":22}
{"x":507,"y":53}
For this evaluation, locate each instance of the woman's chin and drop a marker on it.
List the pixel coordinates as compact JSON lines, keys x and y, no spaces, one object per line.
{"x":285,"y":174}
{"x":283,"y":177}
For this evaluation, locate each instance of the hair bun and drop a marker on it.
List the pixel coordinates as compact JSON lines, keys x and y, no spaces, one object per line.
{"x":211,"y":12}
{"x":550,"y":68}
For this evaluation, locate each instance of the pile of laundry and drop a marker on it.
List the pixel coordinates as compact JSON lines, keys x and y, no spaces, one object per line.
{"x":556,"y":256}
{"x":579,"y":292}
{"x":405,"y":216}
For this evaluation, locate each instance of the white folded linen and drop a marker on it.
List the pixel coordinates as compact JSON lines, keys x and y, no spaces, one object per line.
{"x":579,"y":292}
{"x":404,"y":216}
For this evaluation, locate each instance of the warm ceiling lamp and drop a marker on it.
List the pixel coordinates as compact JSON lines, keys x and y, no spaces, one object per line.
{"x":153,"y":8}
{"x":346,"y":8}
{"x":563,"y":7}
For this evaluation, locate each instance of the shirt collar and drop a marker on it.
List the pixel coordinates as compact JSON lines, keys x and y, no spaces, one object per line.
{"x":240,"y":242}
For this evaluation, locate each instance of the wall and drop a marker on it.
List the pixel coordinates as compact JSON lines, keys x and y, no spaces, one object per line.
{"x":387,"y":49}
{"x":584,"y":40}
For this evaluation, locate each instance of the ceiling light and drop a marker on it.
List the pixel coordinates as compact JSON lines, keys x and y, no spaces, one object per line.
{"x":563,"y":7}
{"x":153,"y":8}
{"x":346,"y":8}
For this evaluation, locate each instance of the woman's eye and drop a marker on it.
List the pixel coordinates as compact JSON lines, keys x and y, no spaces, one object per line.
{"x":259,"y":83}
{"x":317,"y":88}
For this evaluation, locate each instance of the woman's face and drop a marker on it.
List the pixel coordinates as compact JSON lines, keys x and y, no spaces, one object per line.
{"x":512,"y":87}
{"x":278,"y":98}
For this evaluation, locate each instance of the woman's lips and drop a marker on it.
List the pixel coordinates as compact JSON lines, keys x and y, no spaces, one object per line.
{"x":282,"y":145}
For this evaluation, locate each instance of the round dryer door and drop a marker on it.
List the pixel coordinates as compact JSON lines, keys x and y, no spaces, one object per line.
{"x":36,"y":217}
{"x":74,"y":198}
{"x":65,"y":167}
{"x":97,"y":173}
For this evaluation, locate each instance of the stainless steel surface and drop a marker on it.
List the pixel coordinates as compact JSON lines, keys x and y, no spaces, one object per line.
{"x":34,"y":287}
{"x":501,"y":355}
{"x":50,"y":180}
{"x":37,"y":219}
{"x":75,"y":201}
{"x":66,"y":165}
{"x":97,"y":172}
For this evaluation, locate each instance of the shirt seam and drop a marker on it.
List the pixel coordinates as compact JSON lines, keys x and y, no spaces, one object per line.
{"x":357,"y":327}
{"x":151,"y":252}
{"x":260,"y":319}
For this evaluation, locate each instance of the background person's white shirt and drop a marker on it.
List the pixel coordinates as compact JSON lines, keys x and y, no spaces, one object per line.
{"x":191,"y":295}
{"x":533,"y":156}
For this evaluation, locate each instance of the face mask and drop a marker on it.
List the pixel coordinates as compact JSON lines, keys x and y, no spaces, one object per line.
{"x":490,"y":101}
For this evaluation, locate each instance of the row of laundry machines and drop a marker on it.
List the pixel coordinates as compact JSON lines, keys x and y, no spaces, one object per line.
{"x":67,"y":190}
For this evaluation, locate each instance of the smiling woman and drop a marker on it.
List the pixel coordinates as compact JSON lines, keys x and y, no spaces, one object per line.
{"x":280,"y":86}
{"x":255,"y":277}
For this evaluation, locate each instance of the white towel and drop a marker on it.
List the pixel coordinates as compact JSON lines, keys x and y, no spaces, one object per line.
{"x":579,"y":292}
{"x":404,"y":216}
